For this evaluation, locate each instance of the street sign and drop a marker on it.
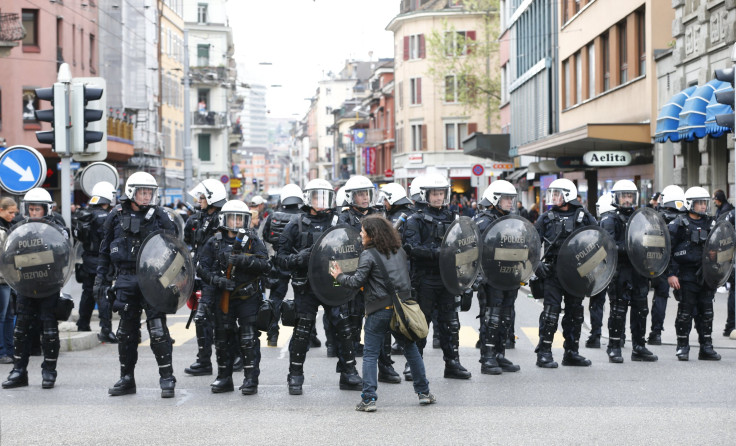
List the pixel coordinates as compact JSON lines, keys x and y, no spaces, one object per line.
{"x":72,"y":166}
{"x":224,"y":179}
{"x":388,"y":173}
{"x":478,"y":170}
{"x":96,"y":172}
{"x":21,"y":169}
{"x":503,"y":166}
{"x":235,"y":183}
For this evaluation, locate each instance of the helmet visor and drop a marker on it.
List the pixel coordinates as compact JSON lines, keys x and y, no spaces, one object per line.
{"x":362,"y":198}
{"x":320,"y":199}
{"x":700,"y":206}
{"x":32,"y":209}
{"x":626,"y":199}
{"x":507,"y":202}
{"x":233,"y":221}
{"x":145,"y":195}
{"x":437,"y":197}
{"x":555,"y":197}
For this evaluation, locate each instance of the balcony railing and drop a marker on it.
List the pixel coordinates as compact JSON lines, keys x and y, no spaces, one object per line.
{"x":209,"y":119}
{"x":207,"y":75}
{"x":11,"y":29}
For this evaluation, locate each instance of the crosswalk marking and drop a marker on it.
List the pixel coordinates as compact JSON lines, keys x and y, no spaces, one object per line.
{"x":532,"y":333}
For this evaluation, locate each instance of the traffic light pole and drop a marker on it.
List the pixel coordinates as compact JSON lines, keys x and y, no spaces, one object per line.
{"x":187,"y":124}
{"x":65,"y":77}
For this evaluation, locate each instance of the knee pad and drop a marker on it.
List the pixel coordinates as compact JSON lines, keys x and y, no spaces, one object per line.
{"x":248,"y":333}
{"x":128,"y":330}
{"x":157,"y":330}
{"x":303,"y":330}
{"x":343,"y":329}
{"x":50,"y":330}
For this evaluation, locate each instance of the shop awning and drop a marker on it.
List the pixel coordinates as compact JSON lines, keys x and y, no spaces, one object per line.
{"x":669,"y":117}
{"x":715,"y":108}
{"x":693,"y":115}
{"x":578,"y":141}
{"x":515,"y":175}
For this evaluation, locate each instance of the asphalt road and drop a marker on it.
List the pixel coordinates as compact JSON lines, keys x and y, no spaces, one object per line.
{"x":667,"y":402}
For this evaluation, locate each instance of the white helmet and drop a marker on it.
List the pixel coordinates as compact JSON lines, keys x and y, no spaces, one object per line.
{"x":38,"y":196}
{"x":623,"y":191}
{"x":292,"y":194}
{"x":694,"y":195}
{"x":142,"y":181}
{"x":603,"y":204}
{"x":561,"y":187}
{"x":394,"y":193}
{"x":213,"y":190}
{"x":416,"y":188}
{"x":341,"y":199}
{"x":319,"y":195}
{"x":496,"y":191}
{"x":234,"y":215}
{"x":435,"y":182}
{"x":102,"y":193}
{"x":673,"y":197}
{"x":355,"y":185}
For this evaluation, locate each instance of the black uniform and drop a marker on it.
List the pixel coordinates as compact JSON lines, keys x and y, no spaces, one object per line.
{"x":124,"y":232}
{"x":424,"y":232}
{"x":278,"y":278}
{"x":661,"y":290}
{"x":88,"y":227}
{"x":198,"y":229}
{"x":731,"y":305}
{"x":295,"y":245}
{"x":554,"y":227}
{"x":245,"y":298}
{"x":688,"y":235}
{"x":34,"y":309}
{"x":498,"y":311}
{"x":627,"y":287}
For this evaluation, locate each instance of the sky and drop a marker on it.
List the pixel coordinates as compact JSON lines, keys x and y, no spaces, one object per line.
{"x":302,"y":40}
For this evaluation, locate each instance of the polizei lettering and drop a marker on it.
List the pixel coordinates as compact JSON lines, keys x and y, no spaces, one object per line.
{"x":725,"y":242}
{"x":466,"y":241}
{"x":508,"y":269}
{"x":33,"y":275}
{"x":586,"y":251}
{"x":654,"y":255}
{"x":30,"y":243}
{"x":518,"y":239}
{"x":344,"y":249}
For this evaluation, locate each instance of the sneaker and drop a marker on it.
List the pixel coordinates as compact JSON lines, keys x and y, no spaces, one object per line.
{"x":6,"y":360}
{"x":366,"y":406}
{"x":426,"y":399}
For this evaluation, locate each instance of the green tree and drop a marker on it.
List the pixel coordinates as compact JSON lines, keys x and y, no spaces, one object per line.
{"x":464,"y":66}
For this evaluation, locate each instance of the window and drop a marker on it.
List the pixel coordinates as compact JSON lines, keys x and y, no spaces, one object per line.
{"x":203,"y":55}
{"x":606,"y":55}
{"x":418,"y":137}
{"x":414,"y":47}
{"x":92,"y":53}
{"x":30,"y":105}
{"x":204,"y":146}
{"x":74,"y":45}
{"x":401,"y":94}
{"x":81,"y":46}
{"x":457,"y":43}
{"x":577,"y":6}
{"x":641,"y":42}
{"x":59,"y":42}
{"x":504,"y":84}
{"x":623,"y":65}
{"x":566,"y":76}
{"x":202,"y":13}
{"x":591,"y":71}
{"x":416,"y":90}
{"x":30,"y":23}
{"x":454,"y":135}
{"x":578,"y":77}
{"x":451,"y":88}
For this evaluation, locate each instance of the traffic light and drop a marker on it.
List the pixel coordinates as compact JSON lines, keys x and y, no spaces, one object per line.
{"x":57,"y":116}
{"x":89,"y":119}
{"x":726,"y":97}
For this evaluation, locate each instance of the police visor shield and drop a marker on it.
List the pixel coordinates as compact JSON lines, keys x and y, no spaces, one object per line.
{"x":145,"y":196}
{"x":554,"y":197}
{"x":320,"y":199}
{"x":438,"y":197}
{"x":626,"y":199}
{"x":236,"y":220}
{"x":701,"y":206}
{"x":362,"y":197}
{"x":507,"y":203}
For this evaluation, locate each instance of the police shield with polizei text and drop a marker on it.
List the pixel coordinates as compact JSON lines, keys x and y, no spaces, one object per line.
{"x":718,"y":255}
{"x":593,"y":257}
{"x":343,"y":245}
{"x":165,"y":271}
{"x":511,"y":252}
{"x":460,"y":255}
{"x":37,"y":259}
{"x":647,"y":242}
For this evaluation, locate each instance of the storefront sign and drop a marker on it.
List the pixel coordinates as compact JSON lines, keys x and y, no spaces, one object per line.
{"x":565,"y":162}
{"x":606,"y":158}
{"x":416,"y":158}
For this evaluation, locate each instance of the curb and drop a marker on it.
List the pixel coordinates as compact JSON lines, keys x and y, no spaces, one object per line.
{"x":72,"y":341}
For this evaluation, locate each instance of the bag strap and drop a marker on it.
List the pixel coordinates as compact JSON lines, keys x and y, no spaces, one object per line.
{"x":398,"y":309}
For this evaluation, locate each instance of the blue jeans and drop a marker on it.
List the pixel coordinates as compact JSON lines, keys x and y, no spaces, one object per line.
{"x":375,"y":328}
{"x":6,"y":322}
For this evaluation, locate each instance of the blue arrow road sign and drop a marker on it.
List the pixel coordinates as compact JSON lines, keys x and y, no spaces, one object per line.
{"x":21,"y":169}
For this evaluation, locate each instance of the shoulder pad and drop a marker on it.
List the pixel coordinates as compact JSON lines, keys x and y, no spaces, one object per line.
{"x":218,"y":235}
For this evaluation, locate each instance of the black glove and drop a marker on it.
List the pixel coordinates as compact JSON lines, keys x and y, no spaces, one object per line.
{"x":99,"y":289}
{"x":407,"y":249}
{"x":301,"y":259}
{"x":542,"y":270}
{"x":223,"y":283}
{"x":241,"y":260}
{"x":201,"y":314}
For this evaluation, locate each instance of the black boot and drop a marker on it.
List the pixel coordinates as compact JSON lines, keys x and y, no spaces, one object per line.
{"x":250,"y":386}
{"x":641,"y":353}
{"x":614,"y":352}
{"x":683,"y":349}
{"x":351,"y":380}
{"x":51,"y":345}
{"x":106,"y":336}
{"x":48,"y":379}
{"x":655,"y":338}
{"x":238,"y":363}
{"x":707,"y":353}
{"x":574,"y":359}
{"x":594,"y":341}
{"x":17,"y":378}
{"x":396,"y":349}
{"x":387,"y":374}
{"x":489,"y":365}
{"x":455,"y":370}
{"x":168,"y":383}
{"x":407,"y":373}
{"x":199,"y":369}
{"x":273,"y":339}
{"x":222,"y":384}
{"x":549,"y":317}
{"x":506,"y":365}
{"x":295,"y":383}
{"x":124,"y":386}
{"x":545,"y":359}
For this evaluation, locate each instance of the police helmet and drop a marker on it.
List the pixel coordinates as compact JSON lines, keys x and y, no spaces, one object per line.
{"x":415,"y":188}
{"x":36,"y":196}
{"x":696,"y":195}
{"x":496,"y":191}
{"x":234,"y":215}
{"x":214,"y":192}
{"x":560,"y":188}
{"x":673,"y":197}
{"x":141,"y":181}
{"x":292,"y":194}
{"x":625,"y":194}
{"x":341,"y":199}
{"x":354,"y":188}
{"x":102,"y":193}
{"x":435,"y":182}
{"x":394,"y":193}
{"x":319,"y":195}
{"x":603,"y":204}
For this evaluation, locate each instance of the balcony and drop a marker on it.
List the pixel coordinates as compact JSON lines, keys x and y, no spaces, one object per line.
{"x":209,"y":119}
{"x":208,"y":75}
{"x":11,"y":31}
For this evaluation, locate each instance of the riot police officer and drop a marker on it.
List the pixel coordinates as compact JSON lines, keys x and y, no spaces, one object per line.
{"x":198,"y":229}
{"x":88,"y":229}
{"x":231,"y":265}
{"x":424,"y":232}
{"x":292,"y":198}
{"x":628,"y":287}
{"x":36,"y":206}
{"x":295,"y":246}
{"x":688,"y":234}
{"x":672,"y":200}
{"x":499,"y":199}
{"x":554,"y":227}
{"x":125,"y":229}
{"x":596,"y":303}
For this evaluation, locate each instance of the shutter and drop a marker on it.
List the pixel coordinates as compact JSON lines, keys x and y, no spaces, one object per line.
{"x":406,"y":47}
{"x":422,"y":51}
{"x":424,"y":137}
{"x":469,"y":35}
{"x":472,"y":128}
{"x":419,"y":90}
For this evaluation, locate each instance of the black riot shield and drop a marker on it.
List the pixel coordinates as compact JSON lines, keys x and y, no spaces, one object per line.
{"x":647,"y":242}
{"x":718,"y":255}
{"x":460,"y":255}
{"x":178,"y":221}
{"x":165,"y":271}
{"x":587,"y":261}
{"x":36,"y":259}
{"x":511,"y":252}
{"x":342,"y":244}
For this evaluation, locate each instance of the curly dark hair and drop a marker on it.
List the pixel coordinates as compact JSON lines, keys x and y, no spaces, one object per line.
{"x":383,"y":236}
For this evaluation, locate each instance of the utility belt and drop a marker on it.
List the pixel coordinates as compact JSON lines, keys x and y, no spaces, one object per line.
{"x":246,"y":290}
{"x":126,"y":271}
